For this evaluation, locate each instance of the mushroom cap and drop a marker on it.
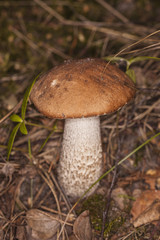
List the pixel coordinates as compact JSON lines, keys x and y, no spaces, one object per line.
{"x":82,"y":88}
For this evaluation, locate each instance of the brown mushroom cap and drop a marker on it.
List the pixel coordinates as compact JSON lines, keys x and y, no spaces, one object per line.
{"x":82,"y":88}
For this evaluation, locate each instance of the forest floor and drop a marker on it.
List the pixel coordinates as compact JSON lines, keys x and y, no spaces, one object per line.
{"x":37,"y":35}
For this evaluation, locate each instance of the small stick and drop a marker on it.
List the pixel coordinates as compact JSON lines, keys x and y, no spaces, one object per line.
{"x":13,"y":110}
{"x":113,"y":11}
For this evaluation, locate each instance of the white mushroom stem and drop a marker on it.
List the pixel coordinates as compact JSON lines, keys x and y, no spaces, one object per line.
{"x":81,"y":155}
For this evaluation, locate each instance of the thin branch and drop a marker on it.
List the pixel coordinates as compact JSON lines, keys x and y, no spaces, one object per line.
{"x":50,"y":10}
{"x":13,"y":110}
{"x":24,"y":38}
{"x":113,"y":11}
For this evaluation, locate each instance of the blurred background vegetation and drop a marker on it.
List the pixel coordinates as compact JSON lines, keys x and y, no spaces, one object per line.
{"x":37,"y":35}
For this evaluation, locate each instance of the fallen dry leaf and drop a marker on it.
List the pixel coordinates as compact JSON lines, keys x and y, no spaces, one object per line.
{"x":43,"y":225}
{"x":82,"y":226}
{"x":6,"y":175}
{"x":8,"y":169}
{"x":143,"y":202}
{"x":152,"y":213}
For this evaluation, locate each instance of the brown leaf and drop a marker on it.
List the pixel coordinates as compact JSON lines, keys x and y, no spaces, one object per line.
{"x":6,"y":175}
{"x":152,"y":213}
{"x":43,"y":225}
{"x":8,"y":169}
{"x":82,"y":226}
{"x":144,"y":201}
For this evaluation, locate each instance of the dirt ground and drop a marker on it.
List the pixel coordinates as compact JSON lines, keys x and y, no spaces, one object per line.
{"x":37,"y":35}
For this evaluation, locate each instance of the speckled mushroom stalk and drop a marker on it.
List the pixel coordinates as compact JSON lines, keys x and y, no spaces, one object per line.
{"x":80,"y":163}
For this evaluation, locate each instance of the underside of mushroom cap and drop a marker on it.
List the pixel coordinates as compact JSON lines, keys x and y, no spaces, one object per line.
{"x":82,"y":88}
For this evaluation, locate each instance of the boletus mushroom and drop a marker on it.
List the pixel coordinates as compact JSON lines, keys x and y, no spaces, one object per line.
{"x":79,"y":91}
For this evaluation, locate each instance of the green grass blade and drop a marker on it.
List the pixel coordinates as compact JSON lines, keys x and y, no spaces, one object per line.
{"x":11,"y":139}
{"x":29,"y":148}
{"x":26,"y":97}
{"x":46,"y":140}
{"x":142,"y":58}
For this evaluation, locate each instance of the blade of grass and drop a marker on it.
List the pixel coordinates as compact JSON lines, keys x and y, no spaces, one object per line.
{"x":38,"y":125}
{"x":11,"y":139}
{"x":46,"y":140}
{"x":26,"y":97}
{"x":142,"y":58}
{"x":29,"y":148}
